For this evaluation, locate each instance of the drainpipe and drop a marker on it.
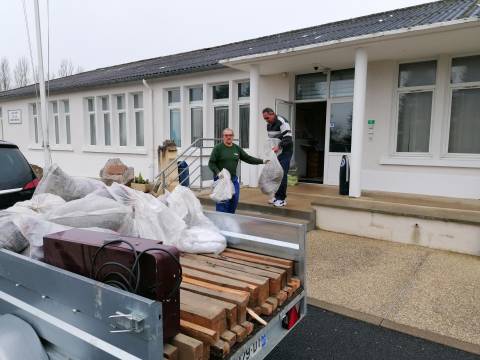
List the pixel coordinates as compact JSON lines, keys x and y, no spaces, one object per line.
{"x":154,"y":150}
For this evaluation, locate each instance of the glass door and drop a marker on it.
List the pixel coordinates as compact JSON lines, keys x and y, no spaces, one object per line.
{"x":338,"y":137}
{"x":286,"y":109}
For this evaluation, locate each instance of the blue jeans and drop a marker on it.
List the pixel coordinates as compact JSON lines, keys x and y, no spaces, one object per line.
{"x":229,"y":206}
{"x":284,"y":159}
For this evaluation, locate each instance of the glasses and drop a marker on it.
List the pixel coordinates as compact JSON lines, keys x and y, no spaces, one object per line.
{"x":228,"y":135}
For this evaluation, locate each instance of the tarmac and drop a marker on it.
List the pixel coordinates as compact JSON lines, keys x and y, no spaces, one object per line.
{"x":427,"y":293}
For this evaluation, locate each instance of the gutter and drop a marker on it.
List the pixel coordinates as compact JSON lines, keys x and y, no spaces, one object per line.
{"x":351,"y":40}
{"x":145,"y":83}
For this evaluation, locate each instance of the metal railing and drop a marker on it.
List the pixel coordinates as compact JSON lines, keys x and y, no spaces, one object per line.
{"x":194,"y":156}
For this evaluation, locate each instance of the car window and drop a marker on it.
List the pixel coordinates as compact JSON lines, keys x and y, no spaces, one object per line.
{"x":14,"y":169}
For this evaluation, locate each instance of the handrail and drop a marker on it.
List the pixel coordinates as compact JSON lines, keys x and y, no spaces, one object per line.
{"x":163,"y":177}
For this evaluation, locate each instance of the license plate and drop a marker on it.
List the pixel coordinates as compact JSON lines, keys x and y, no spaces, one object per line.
{"x":251,"y":351}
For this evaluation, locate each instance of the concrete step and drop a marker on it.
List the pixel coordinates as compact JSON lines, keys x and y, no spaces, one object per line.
{"x":268,"y":211}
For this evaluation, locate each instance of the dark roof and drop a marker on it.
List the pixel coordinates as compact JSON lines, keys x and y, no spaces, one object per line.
{"x":209,"y":58}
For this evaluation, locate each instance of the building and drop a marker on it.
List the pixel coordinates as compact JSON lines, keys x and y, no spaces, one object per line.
{"x":398,"y":91}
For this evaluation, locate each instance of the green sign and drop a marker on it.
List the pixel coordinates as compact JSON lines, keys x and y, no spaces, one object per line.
{"x":371,"y":122}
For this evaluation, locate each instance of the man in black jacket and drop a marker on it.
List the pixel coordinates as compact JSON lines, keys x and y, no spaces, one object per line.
{"x":279,"y":128}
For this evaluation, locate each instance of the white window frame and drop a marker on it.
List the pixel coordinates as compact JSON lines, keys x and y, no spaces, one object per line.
{"x":195,"y":104}
{"x":221,"y":103}
{"x":134,"y":118}
{"x":448,"y":112}
{"x":117,"y":120}
{"x":108,"y":112}
{"x":175,"y":106}
{"x":35,"y":118}
{"x":88,"y":113}
{"x":59,"y":118}
{"x":68,"y":130}
{"x":242,"y":101}
{"x":395,"y":113}
{"x":2,"y":135}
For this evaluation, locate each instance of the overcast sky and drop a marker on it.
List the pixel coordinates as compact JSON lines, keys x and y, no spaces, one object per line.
{"x":97,"y":33}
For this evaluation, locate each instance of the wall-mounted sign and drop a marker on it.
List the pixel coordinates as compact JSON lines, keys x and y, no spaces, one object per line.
{"x":14,"y":116}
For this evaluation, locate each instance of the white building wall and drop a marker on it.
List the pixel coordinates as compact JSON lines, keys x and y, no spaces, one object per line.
{"x":385,"y":172}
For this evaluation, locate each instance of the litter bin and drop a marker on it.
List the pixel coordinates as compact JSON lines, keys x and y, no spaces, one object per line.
{"x":344,"y":182}
{"x":183,"y":173}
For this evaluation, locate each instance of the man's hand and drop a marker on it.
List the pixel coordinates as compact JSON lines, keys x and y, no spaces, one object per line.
{"x":266,"y":161}
{"x":276,"y":149}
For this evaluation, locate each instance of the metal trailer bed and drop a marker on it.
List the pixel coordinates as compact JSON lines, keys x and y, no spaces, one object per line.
{"x":78,"y":318}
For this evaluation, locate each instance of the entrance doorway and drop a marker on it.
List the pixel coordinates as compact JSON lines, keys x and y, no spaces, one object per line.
{"x":309,"y":137}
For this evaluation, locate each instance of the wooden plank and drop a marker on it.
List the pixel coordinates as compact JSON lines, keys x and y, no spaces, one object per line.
{"x":211,"y":316}
{"x":282,"y":296}
{"x":272,"y":259}
{"x":275,"y":279}
{"x":295,"y":283}
{"x":206,"y":351}
{"x":219,"y":350}
{"x":219,"y":281}
{"x":258,"y":284}
{"x":288,"y":269}
{"x":240,"y":298}
{"x":201,"y":333}
{"x":256,"y":317}
{"x":170,"y":352}
{"x":241,"y":333}
{"x":194,"y":298}
{"x":188,"y":348}
{"x":229,"y":336}
{"x":248,"y":326}
{"x":267,"y":309}
{"x":276,"y":270}
{"x":288,"y":290}
{"x":273,"y":301}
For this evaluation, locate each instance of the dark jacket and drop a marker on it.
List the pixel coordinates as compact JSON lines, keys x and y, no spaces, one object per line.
{"x":280,"y":129}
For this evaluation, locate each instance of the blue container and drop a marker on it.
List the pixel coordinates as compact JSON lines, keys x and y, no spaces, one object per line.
{"x":183,"y":173}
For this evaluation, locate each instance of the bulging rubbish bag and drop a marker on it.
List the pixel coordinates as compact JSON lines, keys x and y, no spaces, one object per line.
{"x":40,"y":204}
{"x":201,"y":235}
{"x":151,"y":218}
{"x":223,"y":188}
{"x":271,"y":176}
{"x":91,"y":211}
{"x":56,"y":181}
{"x":11,"y":237}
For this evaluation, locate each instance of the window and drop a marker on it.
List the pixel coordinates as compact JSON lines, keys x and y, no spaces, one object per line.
{"x":92,"y":126}
{"x":122,"y":120}
{"x":56,"y":124}
{"x":341,"y":115}
{"x":196,"y":113}
{"x":220,"y":92}
{"x":106,"y":116}
{"x":66,"y":113}
{"x":35,"y":123}
{"x":195,"y":94}
{"x":174,"y":100}
{"x":244,"y":125}
{"x":341,"y":83}
{"x":244,"y":90}
{"x":220,"y":121}
{"x":416,"y":85}
{"x":465,"y":106}
{"x":139,"y":122}
{"x":311,"y":86}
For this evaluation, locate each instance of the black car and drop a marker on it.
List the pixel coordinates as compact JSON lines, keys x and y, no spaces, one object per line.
{"x":17,"y":179}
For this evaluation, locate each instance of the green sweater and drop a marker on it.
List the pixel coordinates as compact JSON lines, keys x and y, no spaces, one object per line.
{"x":227,"y":157}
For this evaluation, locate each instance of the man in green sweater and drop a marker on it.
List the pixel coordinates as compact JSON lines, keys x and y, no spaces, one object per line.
{"x":226,"y":156}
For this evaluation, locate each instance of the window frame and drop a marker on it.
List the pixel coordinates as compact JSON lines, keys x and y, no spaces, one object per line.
{"x":397,"y":90}
{"x":174,"y":106}
{"x":136,"y":110}
{"x":444,"y":153}
{"x":242,"y":101}
{"x":224,"y":102}
{"x":195,"y":104}
{"x":34,"y":119}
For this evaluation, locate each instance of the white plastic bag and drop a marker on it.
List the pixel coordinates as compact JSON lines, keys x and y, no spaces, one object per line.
{"x":151,"y":219}
{"x":56,"y":181}
{"x":271,"y":175}
{"x":40,"y":204}
{"x":223,"y":188}
{"x":11,"y":237}
{"x":201,"y":235}
{"x":91,"y":211}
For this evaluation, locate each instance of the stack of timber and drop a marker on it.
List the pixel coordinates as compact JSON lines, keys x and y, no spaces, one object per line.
{"x":224,"y":297}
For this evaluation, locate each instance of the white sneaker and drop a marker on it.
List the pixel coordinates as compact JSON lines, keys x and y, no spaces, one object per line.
{"x":280,"y":203}
{"x":272,"y":201}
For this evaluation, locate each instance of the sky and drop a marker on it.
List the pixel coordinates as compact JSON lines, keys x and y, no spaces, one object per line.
{"x":99,"y":33}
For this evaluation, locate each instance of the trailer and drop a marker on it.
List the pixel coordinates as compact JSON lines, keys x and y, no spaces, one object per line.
{"x":75,"y":317}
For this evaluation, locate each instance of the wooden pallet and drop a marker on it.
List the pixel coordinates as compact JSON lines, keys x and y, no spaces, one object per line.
{"x":221,"y":298}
